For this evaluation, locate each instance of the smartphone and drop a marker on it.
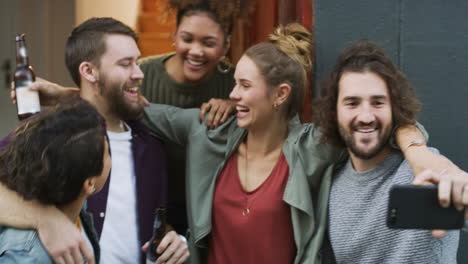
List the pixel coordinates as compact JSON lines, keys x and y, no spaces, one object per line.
{"x":417,"y":207}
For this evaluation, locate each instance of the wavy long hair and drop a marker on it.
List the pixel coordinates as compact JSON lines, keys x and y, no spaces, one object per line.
{"x":361,"y":57}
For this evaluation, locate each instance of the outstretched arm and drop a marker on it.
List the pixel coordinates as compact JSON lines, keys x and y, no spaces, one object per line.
{"x":171,"y":123}
{"x":50,"y":93}
{"x":452,"y":189}
{"x":431,"y":168}
{"x":411,"y":141}
{"x":51,"y":224}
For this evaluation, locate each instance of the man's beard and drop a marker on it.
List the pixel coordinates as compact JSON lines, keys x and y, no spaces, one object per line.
{"x":350,"y":142}
{"x":115,"y":97}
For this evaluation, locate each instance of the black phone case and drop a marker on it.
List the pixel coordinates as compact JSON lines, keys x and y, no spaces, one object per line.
{"x":417,"y":207}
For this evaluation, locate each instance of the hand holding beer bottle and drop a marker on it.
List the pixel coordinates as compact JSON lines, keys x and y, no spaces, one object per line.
{"x":159,"y":231}
{"x":172,"y":247}
{"x":27,"y":100}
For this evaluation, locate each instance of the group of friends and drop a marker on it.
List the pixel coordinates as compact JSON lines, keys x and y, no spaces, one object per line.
{"x":224,"y":150}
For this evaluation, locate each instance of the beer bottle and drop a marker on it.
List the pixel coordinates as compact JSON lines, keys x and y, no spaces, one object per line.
{"x":27,"y":102}
{"x":159,"y":231}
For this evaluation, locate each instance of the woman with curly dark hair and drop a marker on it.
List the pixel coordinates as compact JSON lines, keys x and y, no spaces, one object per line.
{"x":58,"y":158}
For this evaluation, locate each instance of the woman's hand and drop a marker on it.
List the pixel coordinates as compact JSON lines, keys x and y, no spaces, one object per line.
{"x":218,"y":112}
{"x":143,"y":101}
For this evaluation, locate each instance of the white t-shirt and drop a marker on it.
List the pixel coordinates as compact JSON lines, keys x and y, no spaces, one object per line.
{"x":119,"y":239}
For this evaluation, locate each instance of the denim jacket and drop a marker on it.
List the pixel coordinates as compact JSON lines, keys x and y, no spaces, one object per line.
{"x":24,"y":246}
{"x":310,"y":170}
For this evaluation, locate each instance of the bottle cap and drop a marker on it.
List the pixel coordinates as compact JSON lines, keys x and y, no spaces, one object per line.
{"x":20,"y":37}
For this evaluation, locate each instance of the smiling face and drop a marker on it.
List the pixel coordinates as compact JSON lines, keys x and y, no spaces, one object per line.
{"x":364,"y":114}
{"x":120,"y":77}
{"x":199,"y":44}
{"x":254,"y":100}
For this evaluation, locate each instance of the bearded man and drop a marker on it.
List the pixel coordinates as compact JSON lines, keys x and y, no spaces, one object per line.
{"x":101,"y":55}
{"x":364,"y":100}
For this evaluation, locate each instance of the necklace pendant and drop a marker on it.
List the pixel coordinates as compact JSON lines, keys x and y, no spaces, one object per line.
{"x":245,"y":211}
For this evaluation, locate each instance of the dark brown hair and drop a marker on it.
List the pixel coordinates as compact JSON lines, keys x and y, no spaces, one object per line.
{"x":51,"y":155}
{"x":285,"y":58}
{"x":365,"y":56}
{"x":87,"y":42}
{"x":223,"y":12}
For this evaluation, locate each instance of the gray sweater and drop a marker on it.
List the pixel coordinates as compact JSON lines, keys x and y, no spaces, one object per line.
{"x":357,"y":219}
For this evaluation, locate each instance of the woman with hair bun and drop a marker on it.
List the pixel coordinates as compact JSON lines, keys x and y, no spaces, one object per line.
{"x":249,"y":192}
{"x":258,"y":185}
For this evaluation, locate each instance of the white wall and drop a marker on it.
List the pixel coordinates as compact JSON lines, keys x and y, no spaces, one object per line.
{"x":123,"y":10}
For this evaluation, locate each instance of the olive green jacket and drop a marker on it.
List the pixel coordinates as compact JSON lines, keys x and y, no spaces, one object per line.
{"x":310,"y":171}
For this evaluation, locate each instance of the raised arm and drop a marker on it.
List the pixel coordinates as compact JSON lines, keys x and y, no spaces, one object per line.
{"x":431,"y":168}
{"x":50,"y":93}
{"x":51,"y":224}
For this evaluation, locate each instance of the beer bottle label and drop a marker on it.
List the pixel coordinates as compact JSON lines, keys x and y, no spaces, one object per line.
{"x":27,"y":100}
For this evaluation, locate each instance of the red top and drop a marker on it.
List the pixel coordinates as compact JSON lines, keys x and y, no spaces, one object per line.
{"x":261,"y":234}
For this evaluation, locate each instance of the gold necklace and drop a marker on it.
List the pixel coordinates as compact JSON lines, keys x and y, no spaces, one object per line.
{"x":246,"y":209}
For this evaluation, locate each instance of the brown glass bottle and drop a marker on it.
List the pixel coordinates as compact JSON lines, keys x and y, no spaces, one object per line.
{"x":159,"y":231}
{"x":27,"y":101}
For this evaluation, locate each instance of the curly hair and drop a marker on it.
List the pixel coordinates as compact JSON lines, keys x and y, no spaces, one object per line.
{"x":222,"y":12}
{"x":51,"y":155}
{"x":285,"y":58}
{"x":361,"y":57}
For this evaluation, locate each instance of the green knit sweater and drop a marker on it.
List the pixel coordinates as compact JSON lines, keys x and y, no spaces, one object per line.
{"x":159,"y":87}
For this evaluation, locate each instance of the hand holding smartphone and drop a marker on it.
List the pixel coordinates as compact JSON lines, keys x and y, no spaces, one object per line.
{"x":417,"y":207}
